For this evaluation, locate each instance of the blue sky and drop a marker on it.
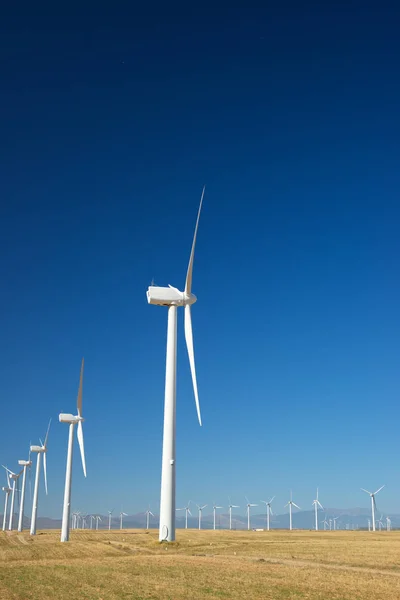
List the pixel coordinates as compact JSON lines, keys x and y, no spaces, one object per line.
{"x":111,"y":123}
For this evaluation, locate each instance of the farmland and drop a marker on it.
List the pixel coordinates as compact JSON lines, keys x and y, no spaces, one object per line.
{"x":133,"y":565}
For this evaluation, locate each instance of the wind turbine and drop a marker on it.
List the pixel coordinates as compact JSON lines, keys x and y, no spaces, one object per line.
{"x":24,"y":464}
{"x":121,"y":514}
{"x":388,"y":523}
{"x":214,"y":512}
{"x":91,"y":521}
{"x":269,"y":509}
{"x":72,"y":421}
{"x":334,"y":523}
{"x":173,"y":298}
{"x":110,"y":512}
{"x":373,"y":503}
{"x":7,"y":491}
{"x":230,"y":512}
{"x":14,"y":477}
{"x":98,"y":518}
{"x":200,"y":513}
{"x":248,"y":512}
{"x":42,"y":449}
{"x":187,"y":511}
{"x":316,"y":503}
{"x":325,"y":522}
{"x":290,"y":504}
{"x":380,"y":523}
{"x":148,"y":513}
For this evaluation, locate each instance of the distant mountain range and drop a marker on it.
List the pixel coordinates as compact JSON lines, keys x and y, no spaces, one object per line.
{"x":348,"y":518}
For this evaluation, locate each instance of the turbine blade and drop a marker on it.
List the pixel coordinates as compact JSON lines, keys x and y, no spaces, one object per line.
{"x":271,"y":499}
{"x":45,"y":471}
{"x":190,"y":349}
{"x":79,"y":399}
{"x":319,"y":503}
{"x":296,"y":506}
{"x":47,"y":434}
{"x":188,"y":283}
{"x":381,"y":488}
{"x":82,"y":447}
{"x":363,"y":490}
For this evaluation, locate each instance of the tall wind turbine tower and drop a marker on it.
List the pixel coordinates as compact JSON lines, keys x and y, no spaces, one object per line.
{"x":24,"y":464}
{"x":148,"y":513}
{"x":110,"y":512}
{"x":373,"y":503}
{"x":173,"y":298}
{"x":42,"y":449}
{"x":14,"y":477}
{"x":72,"y":421}
{"x":290,"y":504}
{"x":316,"y":504}
{"x":200,"y":509}
{"x":215,"y":514}
{"x":187,"y":512}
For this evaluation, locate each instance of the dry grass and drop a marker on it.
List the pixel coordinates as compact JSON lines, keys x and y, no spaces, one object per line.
{"x":201,"y":565}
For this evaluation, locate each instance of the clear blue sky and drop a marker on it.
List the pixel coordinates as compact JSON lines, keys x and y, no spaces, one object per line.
{"x":111,"y":122}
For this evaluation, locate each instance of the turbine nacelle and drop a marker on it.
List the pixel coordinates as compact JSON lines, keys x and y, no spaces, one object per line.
{"x":25,"y":463}
{"x":169,"y":296}
{"x":65,"y":418}
{"x":38,"y":449}
{"x":6,"y":489}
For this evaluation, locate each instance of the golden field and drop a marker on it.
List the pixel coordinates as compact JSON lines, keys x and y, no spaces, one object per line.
{"x":133,"y":565}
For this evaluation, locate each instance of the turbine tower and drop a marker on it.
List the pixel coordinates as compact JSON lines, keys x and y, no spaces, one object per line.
{"x":187,"y":511}
{"x":269,"y":510}
{"x":373,"y":503}
{"x":14,"y":477}
{"x":121,"y":514}
{"x":173,"y":298}
{"x":148,"y":513}
{"x":7,"y":491}
{"x":110,"y":512}
{"x":215,"y":513}
{"x":316,"y":503}
{"x":230,"y":512}
{"x":72,"y":421}
{"x":42,"y":449}
{"x":24,"y":464}
{"x":290,"y":504}
{"x":248,"y":512}
{"x":200,"y":508}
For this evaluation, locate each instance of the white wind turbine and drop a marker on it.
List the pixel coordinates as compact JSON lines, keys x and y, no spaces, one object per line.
{"x":173,"y":298}
{"x":230,"y":512}
{"x":14,"y":477}
{"x":148,"y":513}
{"x":7,"y":491}
{"x":42,"y":449}
{"x":388,"y":523}
{"x":200,"y":508}
{"x":72,"y":421}
{"x":187,"y":512}
{"x":290,"y":504}
{"x":215,"y":513}
{"x":110,"y":512}
{"x":91,"y":521}
{"x":121,"y":515}
{"x":334,"y":523}
{"x":248,"y":512}
{"x":269,"y":510}
{"x":373,"y":503}
{"x":98,"y":518}
{"x":316,"y":503}
{"x":24,"y":464}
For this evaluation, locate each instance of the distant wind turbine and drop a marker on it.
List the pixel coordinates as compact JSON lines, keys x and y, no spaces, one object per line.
{"x":98,"y":518}
{"x":230,"y":512}
{"x":25,"y":464}
{"x":121,"y":515}
{"x":174,"y":298}
{"x":373,"y":503}
{"x":334,"y":523}
{"x":7,"y":491}
{"x":200,"y":509}
{"x":248,"y":512}
{"x":269,"y":509}
{"x":110,"y":512}
{"x":14,"y":477}
{"x":187,"y":511}
{"x":214,"y":512}
{"x":42,"y":449}
{"x":290,"y":504}
{"x":316,"y":503}
{"x":148,"y":513}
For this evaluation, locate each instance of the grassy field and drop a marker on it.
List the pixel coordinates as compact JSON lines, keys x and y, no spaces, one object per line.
{"x":210,"y":565}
